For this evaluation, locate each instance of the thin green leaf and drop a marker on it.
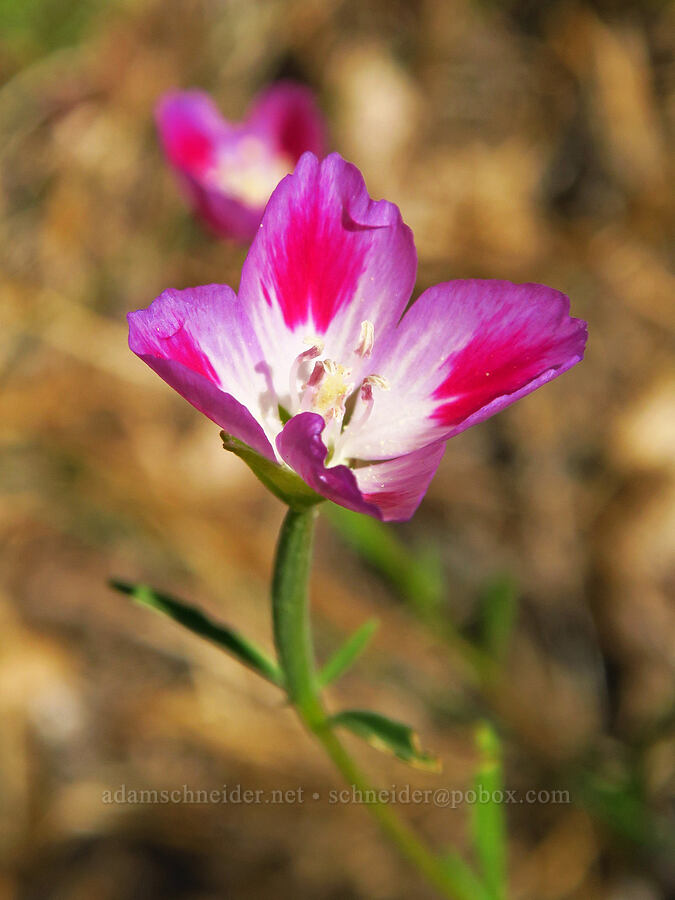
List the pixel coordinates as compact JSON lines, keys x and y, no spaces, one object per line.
{"x":195,"y":620}
{"x":348,"y":653}
{"x":418,"y":577}
{"x":620,"y":801}
{"x":468,"y":883}
{"x":498,"y":607}
{"x":487,"y":814}
{"x":387,"y":735}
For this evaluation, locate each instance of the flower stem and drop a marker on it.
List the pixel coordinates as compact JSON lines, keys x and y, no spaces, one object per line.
{"x":292,"y":633}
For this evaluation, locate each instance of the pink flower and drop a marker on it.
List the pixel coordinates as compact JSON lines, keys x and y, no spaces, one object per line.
{"x":228,"y":171}
{"x":316,"y":364}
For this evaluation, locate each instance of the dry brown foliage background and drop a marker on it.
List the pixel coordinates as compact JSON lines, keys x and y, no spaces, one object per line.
{"x":521,"y":140}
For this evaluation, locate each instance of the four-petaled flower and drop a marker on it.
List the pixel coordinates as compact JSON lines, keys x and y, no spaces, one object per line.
{"x":228,"y":171}
{"x":319,"y":366}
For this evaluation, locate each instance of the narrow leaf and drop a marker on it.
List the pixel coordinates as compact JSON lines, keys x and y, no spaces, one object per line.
{"x":467,"y":883}
{"x":418,"y":577}
{"x":487,"y":819}
{"x":195,"y":620}
{"x":387,"y":735}
{"x":498,"y":607}
{"x":348,"y":653}
{"x":620,"y":801}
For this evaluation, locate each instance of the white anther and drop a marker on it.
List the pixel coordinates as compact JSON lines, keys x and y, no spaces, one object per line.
{"x":366,"y":340}
{"x":314,"y":343}
{"x":378,"y":381}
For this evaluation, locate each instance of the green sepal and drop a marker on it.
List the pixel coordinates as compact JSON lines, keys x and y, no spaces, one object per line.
{"x":277,"y":478}
{"x":195,"y":620}
{"x":387,"y":735}
{"x":348,"y":653}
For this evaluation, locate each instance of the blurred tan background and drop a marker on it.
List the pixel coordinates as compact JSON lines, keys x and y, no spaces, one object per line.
{"x":521,"y":140}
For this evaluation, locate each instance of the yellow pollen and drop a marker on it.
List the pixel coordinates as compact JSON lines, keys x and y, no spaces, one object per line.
{"x":333,"y":389}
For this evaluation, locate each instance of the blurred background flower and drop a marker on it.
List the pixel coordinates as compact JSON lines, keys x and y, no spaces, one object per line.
{"x":229,"y":171}
{"x":521,"y":140}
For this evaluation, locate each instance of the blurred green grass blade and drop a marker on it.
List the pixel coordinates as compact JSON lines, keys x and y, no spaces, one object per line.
{"x":468,"y":883}
{"x":348,"y":653}
{"x":39,"y":26}
{"x":417,"y":577}
{"x":195,"y":620}
{"x":387,"y":735}
{"x":621,"y":804}
{"x":487,"y":814}
{"x":498,"y":610}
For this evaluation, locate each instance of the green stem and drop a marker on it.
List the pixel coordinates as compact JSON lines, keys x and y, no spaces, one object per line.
{"x":293,"y":640}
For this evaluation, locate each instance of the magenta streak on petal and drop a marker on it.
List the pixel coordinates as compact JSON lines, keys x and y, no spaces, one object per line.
{"x":484,"y":370}
{"x":317,"y":263}
{"x":301,"y":446}
{"x":325,"y":259}
{"x":288,"y":116}
{"x":199,"y":341}
{"x":508,"y":352}
{"x":192,"y":150}
{"x":179,"y":348}
{"x":190,"y":128}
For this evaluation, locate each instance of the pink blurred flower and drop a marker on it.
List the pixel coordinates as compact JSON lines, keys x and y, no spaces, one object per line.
{"x":317,"y":366}
{"x":228,"y":171}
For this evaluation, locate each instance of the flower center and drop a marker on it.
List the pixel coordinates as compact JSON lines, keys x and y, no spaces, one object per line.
{"x":249,"y":171}
{"x":332,"y":391}
{"x":328,"y":389}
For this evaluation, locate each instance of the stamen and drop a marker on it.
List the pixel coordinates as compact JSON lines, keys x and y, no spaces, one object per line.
{"x":365,"y":401}
{"x":366,"y":340}
{"x":315,"y":349}
{"x":378,"y":381}
{"x":310,"y":387}
{"x":316,"y":376}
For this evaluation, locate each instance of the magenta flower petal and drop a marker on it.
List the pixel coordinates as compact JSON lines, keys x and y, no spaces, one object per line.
{"x":288,"y":116}
{"x":190,"y":128}
{"x":396,"y":486}
{"x":326,"y":259}
{"x":463,"y":352}
{"x":200,"y":342}
{"x":228,"y":171}
{"x":301,"y":446}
